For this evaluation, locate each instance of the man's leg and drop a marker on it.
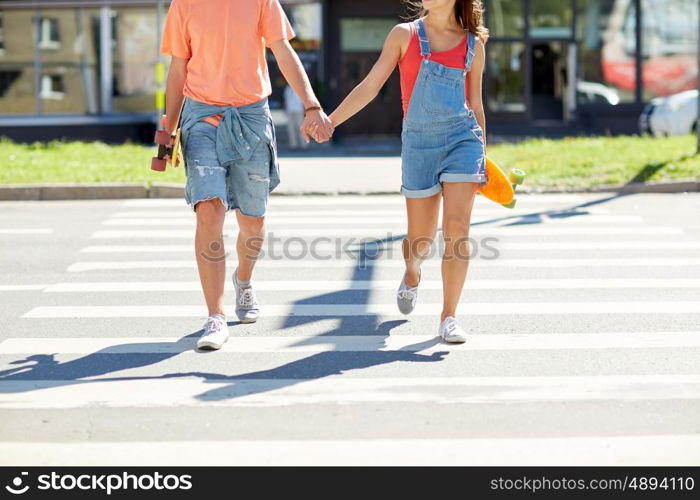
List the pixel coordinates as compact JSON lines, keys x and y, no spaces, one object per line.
{"x":209,"y":248}
{"x":250,"y":239}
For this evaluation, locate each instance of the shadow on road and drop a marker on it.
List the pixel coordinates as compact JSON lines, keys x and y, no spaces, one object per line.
{"x":45,"y":368}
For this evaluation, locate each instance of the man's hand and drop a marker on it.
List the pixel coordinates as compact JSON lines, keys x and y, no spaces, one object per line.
{"x":317,"y":125}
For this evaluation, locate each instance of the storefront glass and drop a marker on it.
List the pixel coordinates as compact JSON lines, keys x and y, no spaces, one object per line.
{"x":306,"y":19}
{"x":551,"y":18}
{"x":607,"y":44}
{"x":669,"y":47}
{"x":505,"y":18}
{"x":506,"y":77}
{"x":134,"y":55}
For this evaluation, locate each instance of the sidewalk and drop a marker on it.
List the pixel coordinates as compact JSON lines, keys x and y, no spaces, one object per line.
{"x":340,"y":174}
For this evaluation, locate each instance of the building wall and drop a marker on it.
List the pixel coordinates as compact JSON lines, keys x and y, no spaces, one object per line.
{"x":530,"y":42}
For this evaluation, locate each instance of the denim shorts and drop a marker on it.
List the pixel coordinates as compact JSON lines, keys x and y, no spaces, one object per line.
{"x":243,"y":185}
{"x":439,"y":153}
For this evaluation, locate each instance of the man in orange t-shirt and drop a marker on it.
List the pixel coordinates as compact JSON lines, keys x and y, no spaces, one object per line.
{"x":218,"y":67}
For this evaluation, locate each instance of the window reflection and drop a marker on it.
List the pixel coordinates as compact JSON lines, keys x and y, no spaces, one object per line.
{"x":135,"y":55}
{"x":669,"y":46}
{"x":607,"y":46}
{"x":551,"y":18}
{"x":506,"y":77}
{"x":505,"y":18}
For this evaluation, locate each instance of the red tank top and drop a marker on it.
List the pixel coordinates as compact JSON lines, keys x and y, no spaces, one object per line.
{"x":409,"y":65}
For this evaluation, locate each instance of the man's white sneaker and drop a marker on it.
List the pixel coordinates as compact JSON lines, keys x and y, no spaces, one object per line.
{"x":215,"y":333}
{"x":247,"y":307}
{"x":451,"y":332}
{"x":406,"y":297}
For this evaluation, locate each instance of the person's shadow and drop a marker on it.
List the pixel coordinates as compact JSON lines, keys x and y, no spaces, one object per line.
{"x":332,"y":362}
{"x":93,"y":367}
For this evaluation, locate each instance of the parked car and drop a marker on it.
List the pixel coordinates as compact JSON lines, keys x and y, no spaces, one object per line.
{"x":591,"y":92}
{"x":672,"y":115}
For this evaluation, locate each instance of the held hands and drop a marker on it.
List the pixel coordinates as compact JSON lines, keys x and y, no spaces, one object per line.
{"x":318,"y":126}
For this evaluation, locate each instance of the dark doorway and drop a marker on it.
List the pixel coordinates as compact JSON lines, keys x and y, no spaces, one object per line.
{"x":548,"y":80}
{"x":382,"y":116}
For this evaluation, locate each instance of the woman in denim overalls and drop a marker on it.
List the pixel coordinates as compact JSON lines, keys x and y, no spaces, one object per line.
{"x":443,"y":153}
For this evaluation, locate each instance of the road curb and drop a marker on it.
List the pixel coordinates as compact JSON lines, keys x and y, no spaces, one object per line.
{"x":677,"y":186}
{"x":98,"y":191}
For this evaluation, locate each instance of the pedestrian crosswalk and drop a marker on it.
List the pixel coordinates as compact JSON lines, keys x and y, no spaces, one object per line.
{"x":584,"y":345}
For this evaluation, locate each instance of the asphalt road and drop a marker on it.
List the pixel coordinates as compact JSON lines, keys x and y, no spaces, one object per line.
{"x":584,"y":312}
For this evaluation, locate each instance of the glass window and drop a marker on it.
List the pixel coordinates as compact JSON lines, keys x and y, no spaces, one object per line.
{"x":17,"y":85}
{"x":2,"y":36}
{"x":363,"y":34}
{"x":52,"y":87}
{"x":506,"y":77}
{"x":505,"y":18}
{"x":307,"y":21}
{"x":135,"y":54}
{"x":669,"y":46}
{"x":551,"y":19}
{"x":606,"y":36}
{"x":48,"y":33}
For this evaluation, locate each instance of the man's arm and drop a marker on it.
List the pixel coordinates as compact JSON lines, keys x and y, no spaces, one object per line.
{"x":294,"y":73}
{"x":173,"y":91}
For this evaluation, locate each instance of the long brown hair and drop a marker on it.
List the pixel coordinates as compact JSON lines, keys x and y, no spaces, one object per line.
{"x":469,"y":15}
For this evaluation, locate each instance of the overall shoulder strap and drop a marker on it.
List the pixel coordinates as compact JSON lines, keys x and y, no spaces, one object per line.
{"x":471,"y":41}
{"x":422,"y":38}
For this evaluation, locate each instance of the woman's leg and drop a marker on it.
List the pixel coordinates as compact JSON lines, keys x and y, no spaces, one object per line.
{"x":422,"y":216}
{"x":458,"y":200}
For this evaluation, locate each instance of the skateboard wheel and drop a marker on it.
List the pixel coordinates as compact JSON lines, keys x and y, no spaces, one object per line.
{"x":511,"y":204}
{"x":162,"y":137}
{"x":158,"y":164}
{"x":516,"y":176}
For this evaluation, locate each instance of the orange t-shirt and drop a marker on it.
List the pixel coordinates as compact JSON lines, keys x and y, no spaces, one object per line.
{"x":225,"y":42}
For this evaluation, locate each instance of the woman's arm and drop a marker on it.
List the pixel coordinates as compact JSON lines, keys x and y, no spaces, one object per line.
{"x":394,"y":47}
{"x":475,"y":86}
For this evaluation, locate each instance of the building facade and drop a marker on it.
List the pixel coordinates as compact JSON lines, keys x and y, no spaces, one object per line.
{"x":88,"y":68}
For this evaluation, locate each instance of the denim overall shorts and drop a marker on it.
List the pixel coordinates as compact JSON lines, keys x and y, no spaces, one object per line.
{"x":441,"y":139}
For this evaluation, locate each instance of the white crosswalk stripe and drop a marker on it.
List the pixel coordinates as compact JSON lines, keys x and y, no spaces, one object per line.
{"x":473,"y":309}
{"x":669,"y":450}
{"x":360,"y":232}
{"x":356,"y":343}
{"x":595,"y":344}
{"x":189,"y":391}
{"x":348,"y":264}
{"x":328,"y":286}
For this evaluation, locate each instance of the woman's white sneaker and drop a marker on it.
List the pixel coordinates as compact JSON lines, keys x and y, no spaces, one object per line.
{"x":451,"y":332}
{"x":215,"y":333}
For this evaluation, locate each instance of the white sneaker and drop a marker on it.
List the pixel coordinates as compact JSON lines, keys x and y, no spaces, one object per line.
{"x":215,"y":333}
{"x":451,"y":332}
{"x":406,"y":297}
{"x":247,"y":307}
